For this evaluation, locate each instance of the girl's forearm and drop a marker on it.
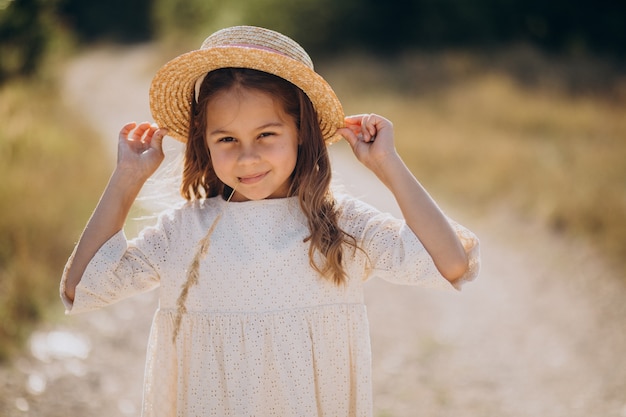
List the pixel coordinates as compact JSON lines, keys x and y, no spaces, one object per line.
{"x":371,"y":139}
{"x":138,"y":156}
{"x":107,"y":219}
{"x":425,"y":218}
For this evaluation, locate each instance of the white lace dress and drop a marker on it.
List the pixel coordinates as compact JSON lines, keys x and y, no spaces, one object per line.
{"x":264,"y":334}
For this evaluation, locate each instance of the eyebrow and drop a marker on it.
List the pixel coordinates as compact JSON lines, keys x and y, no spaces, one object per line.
{"x":262,"y":127}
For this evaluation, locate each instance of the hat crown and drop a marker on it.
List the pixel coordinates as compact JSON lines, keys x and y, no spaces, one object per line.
{"x":259,"y":38}
{"x":172,"y":88}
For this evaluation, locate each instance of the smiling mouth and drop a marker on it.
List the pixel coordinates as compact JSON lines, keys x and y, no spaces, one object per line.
{"x":252,"y":179}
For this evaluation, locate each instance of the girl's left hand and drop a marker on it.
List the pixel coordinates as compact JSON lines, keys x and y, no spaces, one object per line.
{"x":371,"y":139}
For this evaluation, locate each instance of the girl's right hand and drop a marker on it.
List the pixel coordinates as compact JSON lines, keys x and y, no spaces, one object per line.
{"x":139,"y":151}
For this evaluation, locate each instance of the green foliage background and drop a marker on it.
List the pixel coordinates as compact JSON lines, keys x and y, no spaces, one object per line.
{"x":51,"y":174}
{"x":322,"y":26}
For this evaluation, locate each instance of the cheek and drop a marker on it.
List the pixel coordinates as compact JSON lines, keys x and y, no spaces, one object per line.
{"x":294,"y":157}
{"x":286,"y":156}
{"x":219,"y":161}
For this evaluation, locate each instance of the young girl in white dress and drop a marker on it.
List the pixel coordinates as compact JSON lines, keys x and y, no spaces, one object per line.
{"x":261,"y":271}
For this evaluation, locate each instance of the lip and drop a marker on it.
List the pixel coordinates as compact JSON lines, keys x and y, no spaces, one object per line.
{"x":252,"y":179}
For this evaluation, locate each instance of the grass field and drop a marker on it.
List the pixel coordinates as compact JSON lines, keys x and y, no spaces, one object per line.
{"x":543,"y":138}
{"x":51,"y":174}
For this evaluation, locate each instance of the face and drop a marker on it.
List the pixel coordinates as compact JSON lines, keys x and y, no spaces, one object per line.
{"x":253,"y":143}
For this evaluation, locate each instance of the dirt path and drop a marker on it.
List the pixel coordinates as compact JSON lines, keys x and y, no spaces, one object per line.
{"x":541,"y":333}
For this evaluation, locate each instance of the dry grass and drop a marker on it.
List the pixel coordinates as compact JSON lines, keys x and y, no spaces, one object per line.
{"x":52,"y":172}
{"x":518,"y":132}
{"x":544,"y":142}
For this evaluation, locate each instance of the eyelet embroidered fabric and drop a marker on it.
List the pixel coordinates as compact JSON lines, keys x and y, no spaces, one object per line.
{"x":263,"y":335}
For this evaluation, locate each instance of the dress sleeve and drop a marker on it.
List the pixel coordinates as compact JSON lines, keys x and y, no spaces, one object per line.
{"x":120,"y":269}
{"x":117,"y":271}
{"x":395,"y":254}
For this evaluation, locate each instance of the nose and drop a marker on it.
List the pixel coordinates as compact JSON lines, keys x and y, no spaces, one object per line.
{"x":248,"y":154}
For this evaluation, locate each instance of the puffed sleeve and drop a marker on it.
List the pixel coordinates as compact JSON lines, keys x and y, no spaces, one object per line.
{"x":120,"y":269}
{"x":395,"y":254}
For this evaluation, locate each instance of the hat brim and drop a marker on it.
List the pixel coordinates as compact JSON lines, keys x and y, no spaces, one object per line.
{"x":172,"y":87}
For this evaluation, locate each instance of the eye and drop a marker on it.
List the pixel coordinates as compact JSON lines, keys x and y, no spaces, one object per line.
{"x":227,"y":139}
{"x":266,"y":134}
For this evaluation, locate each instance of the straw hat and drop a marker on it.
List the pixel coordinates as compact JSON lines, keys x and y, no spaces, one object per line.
{"x":173,"y":86}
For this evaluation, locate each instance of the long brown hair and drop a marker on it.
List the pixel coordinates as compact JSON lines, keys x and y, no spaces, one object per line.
{"x":310,"y":179}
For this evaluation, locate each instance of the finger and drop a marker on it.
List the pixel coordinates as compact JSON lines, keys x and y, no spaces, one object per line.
{"x":140,"y":131}
{"x":349,"y":136}
{"x":126,"y":129}
{"x":376,"y":124}
{"x":354,"y":120}
{"x":354,"y":123}
{"x":368,"y":127}
{"x":148,"y":134}
{"x":152,"y":131}
{"x":157,"y":138}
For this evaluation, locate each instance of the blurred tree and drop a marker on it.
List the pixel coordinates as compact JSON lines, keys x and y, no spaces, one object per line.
{"x":25,"y":31}
{"x":392,"y":25}
{"x":321,"y":26}
{"x":116,"y":20}
{"x":174,"y":17}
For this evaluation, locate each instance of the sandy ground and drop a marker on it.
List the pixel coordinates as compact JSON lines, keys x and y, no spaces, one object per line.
{"x":542,"y":332}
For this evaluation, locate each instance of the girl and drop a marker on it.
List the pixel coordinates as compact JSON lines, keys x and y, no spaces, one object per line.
{"x":261,"y":272}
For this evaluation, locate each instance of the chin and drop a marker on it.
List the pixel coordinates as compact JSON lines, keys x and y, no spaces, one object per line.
{"x":239,"y":196}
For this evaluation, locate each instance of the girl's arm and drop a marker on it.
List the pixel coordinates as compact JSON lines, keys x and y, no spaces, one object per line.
{"x":371,"y":139}
{"x":139,"y":155}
